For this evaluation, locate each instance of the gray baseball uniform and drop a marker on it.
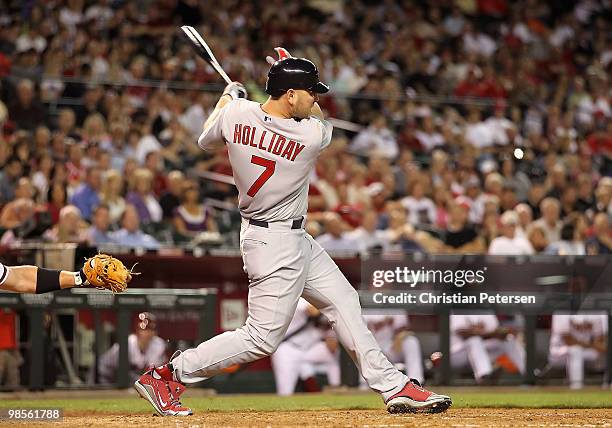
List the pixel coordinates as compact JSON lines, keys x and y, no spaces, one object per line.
{"x":271,"y":159}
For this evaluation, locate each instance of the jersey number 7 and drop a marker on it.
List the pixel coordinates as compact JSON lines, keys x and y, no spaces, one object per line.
{"x":269,"y":166}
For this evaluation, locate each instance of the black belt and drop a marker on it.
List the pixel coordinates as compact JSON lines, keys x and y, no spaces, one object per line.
{"x":297,"y":223}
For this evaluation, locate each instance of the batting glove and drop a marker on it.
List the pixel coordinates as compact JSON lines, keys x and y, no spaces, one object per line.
{"x":235,"y":90}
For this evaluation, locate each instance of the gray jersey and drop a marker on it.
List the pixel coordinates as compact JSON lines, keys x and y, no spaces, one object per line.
{"x":271,"y":158}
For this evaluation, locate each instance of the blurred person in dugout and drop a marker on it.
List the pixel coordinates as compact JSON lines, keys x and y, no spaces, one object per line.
{"x":480,"y":342}
{"x":10,"y":359}
{"x":398,"y":343}
{"x":576,"y":341}
{"x":145,"y":349}
{"x":309,"y":347}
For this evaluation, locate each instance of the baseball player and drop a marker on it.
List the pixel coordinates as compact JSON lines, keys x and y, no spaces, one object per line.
{"x":575,"y":341}
{"x":145,"y":348}
{"x":390,"y":329}
{"x":478,"y":341}
{"x":273,"y":148}
{"x":304,"y":347}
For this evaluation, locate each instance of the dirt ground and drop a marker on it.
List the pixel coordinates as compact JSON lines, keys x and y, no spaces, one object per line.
{"x":348,"y":418}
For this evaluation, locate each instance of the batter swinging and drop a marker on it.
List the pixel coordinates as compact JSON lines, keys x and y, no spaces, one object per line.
{"x":272,"y":149}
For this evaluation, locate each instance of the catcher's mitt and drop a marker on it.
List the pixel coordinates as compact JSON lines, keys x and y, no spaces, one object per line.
{"x":106,"y":272}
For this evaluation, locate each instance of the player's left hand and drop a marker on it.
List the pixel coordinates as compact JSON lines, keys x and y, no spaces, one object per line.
{"x":236,"y":90}
{"x":106,"y":272}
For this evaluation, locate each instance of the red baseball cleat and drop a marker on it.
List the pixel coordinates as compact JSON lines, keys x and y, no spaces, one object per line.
{"x":163,"y":395}
{"x":414,"y":398}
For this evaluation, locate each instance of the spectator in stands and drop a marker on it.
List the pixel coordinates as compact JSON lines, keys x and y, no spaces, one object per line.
{"x":17,"y":220}
{"x":130,"y":234}
{"x":427,"y":135}
{"x":584,"y":187}
{"x":525,"y":217}
{"x":154,"y":163}
{"x":66,"y":123}
{"x":25,"y":189}
{"x":509,"y":243}
{"x":557,"y":181}
{"x":370,"y":239}
{"x":42,"y":176}
{"x":603,"y":196}
{"x":377,"y":139}
{"x":537,"y":238}
{"x":576,"y":341}
{"x":400,"y":233}
{"x":142,"y":198}
{"x":70,"y":228}
{"x":26,"y":111}
{"x":9,"y":176}
{"x":56,"y":200}
{"x":440,"y":198}
{"x":601,"y":241}
{"x":460,"y":236}
{"x":95,"y":131}
{"x":99,"y":231}
{"x":550,"y":222}
{"x":421,"y":209}
{"x":192,"y":217}
{"x":90,"y":108}
{"x":110,"y":194}
{"x":336,"y":238}
{"x":572,"y":240}
{"x":171,"y":199}
{"x":87,"y":196}
{"x":77,"y":171}
{"x":145,"y":348}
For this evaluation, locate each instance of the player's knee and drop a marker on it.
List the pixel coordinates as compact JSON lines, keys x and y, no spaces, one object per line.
{"x":265,"y":341}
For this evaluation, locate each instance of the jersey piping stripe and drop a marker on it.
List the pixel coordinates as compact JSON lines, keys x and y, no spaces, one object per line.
{"x":3,"y":273}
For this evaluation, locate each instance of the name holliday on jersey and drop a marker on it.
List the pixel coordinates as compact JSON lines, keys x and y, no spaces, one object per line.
{"x":444,"y":298}
{"x":270,"y":142}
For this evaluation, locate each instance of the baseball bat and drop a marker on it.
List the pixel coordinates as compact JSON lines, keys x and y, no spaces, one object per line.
{"x":201,"y":48}
{"x":199,"y":45}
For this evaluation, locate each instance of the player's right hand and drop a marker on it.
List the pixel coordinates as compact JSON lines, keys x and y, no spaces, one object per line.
{"x":235,"y":90}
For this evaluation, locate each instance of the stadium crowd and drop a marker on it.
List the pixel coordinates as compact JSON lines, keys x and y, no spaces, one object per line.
{"x":485,"y":125}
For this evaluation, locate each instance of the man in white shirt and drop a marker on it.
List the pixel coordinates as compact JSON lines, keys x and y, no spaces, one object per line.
{"x":549,"y":222}
{"x":368,"y":237}
{"x":509,"y":243}
{"x":376,"y":139}
{"x":421,"y":209}
{"x":336,"y":240}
